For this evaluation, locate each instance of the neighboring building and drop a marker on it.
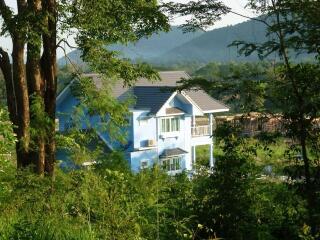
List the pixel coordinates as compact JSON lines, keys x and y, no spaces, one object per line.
{"x":165,"y":127}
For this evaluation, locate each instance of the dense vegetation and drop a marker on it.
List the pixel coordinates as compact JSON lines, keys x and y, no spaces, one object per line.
{"x":107,"y":201}
{"x":241,"y":197}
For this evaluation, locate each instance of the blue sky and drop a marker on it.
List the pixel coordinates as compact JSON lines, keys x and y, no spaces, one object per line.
{"x":230,"y":19}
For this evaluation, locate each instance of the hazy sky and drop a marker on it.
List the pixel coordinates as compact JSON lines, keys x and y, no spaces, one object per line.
{"x":230,"y":19}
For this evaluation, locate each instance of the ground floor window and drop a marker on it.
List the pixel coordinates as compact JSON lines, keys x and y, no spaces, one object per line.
{"x":171,"y":164}
{"x":143,"y":164}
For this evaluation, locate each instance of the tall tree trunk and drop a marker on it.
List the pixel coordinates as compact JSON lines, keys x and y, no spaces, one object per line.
{"x":37,"y":83}
{"x":36,"y":87}
{"x":5,"y":66}
{"x":49,"y":68}
{"x":309,"y":185}
{"x":22,"y":100}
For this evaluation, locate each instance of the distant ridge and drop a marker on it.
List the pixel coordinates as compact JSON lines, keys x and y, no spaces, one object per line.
{"x":175,"y":47}
{"x":146,"y":48}
{"x":213,"y":45}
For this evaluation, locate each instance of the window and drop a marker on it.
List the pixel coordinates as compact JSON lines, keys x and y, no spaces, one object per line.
{"x":171,"y":164}
{"x":144,"y":164}
{"x":170,"y":124}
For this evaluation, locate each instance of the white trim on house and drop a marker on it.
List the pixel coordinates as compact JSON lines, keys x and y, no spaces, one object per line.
{"x":185,"y":96}
{"x":104,"y":140}
{"x":217,"y":111}
{"x":145,"y":148}
{"x":64,"y":91}
{"x":175,"y":114}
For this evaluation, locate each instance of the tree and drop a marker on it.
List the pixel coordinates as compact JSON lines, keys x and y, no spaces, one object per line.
{"x":38,"y":27}
{"x":292,"y":28}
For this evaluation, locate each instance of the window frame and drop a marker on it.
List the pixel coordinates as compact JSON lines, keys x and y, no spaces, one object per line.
{"x":172,"y":164}
{"x":170,"y":124}
{"x":141,"y":164}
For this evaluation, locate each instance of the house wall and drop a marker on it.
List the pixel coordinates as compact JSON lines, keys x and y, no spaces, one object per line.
{"x":136,"y":157}
{"x":64,"y":109}
{"x":181,"y":139}
{"x":151,"y":129}
{"x":144,"y":128}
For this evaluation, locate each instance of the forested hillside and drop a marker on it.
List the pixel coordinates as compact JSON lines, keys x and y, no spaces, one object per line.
{"x":146,"y":49}
{"x":175,"y":47}
{"x":213,"y":45}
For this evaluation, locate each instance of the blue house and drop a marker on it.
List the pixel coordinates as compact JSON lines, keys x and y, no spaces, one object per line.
{"x":165,"y":126}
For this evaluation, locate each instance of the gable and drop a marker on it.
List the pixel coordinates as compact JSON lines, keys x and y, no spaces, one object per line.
{"x":178,"y":101}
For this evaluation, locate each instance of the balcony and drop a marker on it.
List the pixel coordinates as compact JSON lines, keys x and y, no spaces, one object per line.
{"x":200,"y":131}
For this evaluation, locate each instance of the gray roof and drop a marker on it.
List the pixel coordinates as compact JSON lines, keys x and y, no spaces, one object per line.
{"x":153,"y":94}
{"x":205,"y":102}
{"x":172,"y":152}
{"x":151,"y":98}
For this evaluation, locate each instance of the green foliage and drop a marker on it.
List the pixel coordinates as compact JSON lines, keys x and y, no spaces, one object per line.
{"x":233,"y":202}
{"x":301,"y":98}
{"x":203,"y":13}
{"x":108,"y":201}
{"x":65,"y":76}
{"x":2,"y":91}
{"x":292,"y":25}
{"x":7,"y":137}
{"x":93,"y":204}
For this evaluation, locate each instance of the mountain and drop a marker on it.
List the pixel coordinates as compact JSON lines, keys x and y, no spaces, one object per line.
{"x":176,"y":48}
{"x":213,"y":45}
{"x":146,"y":48}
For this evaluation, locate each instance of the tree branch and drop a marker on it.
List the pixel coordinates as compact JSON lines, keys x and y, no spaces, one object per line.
{"x":5,"y":12}
{"x":78,"y":72}
{"x":65,"y":42}
{"x":251,"y":18}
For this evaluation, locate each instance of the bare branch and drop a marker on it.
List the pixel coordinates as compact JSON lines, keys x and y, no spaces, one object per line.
{"x":78,"y":72}
{"x":65,"y":42}
{"x":251,"y":18}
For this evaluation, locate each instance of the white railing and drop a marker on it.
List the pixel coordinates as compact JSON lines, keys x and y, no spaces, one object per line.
{"x":199,"y":131}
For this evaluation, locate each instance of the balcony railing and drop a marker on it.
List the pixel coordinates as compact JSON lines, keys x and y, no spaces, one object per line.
{"x":199,"y":131}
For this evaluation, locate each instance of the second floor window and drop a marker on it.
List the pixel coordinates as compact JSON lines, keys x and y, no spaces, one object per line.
{"x":170,"y":124}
